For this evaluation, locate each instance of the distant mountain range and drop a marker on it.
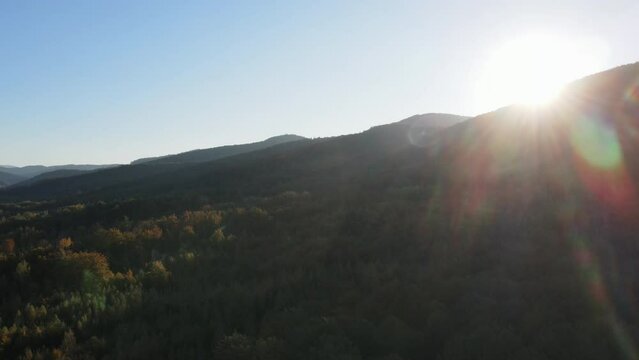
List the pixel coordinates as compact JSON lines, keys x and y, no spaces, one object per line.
{"x":419,"y":126}
{"x":182,"y":169}
{"x":12,"y":175}
{"x":283,"y":161}
{"x":55,"y":174}
{"x":8,"y":179}
{"x":28,"y":176}
{"x":35,"y":170}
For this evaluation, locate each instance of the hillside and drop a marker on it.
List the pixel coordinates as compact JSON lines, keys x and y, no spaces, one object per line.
{"x":87,"y":182}
{"x":511,"y":235}
{"x":35,"y":170}
{"x":318,"y":157}
{"x":204,"y":155}
{"x":55,"y":174}
{"x":8,"y":179}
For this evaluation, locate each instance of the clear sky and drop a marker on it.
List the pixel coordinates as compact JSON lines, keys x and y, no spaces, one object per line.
{"x":111,"y":81}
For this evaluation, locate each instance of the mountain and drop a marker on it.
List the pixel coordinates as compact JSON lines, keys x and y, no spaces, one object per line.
{"x":186,"y":175}
{"x":204,"y":155}
{"x":116,"y":174}
{"x":35,"y":170}
{"x":8,"y":179}
{"x":55,"y":174}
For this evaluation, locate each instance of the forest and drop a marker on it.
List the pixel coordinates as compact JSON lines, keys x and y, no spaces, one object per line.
{"x":282,"y":278}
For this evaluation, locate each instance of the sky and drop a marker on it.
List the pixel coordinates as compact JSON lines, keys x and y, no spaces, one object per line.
{"x":112,"y":81}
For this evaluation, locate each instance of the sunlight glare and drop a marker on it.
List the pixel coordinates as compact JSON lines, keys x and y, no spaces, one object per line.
{"x":533,"y":69}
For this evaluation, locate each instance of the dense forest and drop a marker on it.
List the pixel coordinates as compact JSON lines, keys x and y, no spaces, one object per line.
{"x":512,"y":235}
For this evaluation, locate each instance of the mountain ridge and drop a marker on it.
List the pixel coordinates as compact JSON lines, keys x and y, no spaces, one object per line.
{"x":8,"y":179}
{"x":322,"y":153}
{"x":203,"y":155}
{"x":30,"y":171}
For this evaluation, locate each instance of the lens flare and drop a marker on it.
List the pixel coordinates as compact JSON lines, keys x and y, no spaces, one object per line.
{"x":632,"y":93}
{"x":597,"y":143}
{"x":592,"y":277}
{"x":600,"y":164}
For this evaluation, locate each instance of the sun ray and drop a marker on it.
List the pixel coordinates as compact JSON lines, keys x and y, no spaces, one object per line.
{"x":532,"y":69}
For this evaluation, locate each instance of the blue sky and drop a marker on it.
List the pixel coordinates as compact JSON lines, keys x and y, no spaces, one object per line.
{"x":112,"y":81}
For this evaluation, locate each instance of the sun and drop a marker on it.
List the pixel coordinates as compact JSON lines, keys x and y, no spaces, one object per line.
{"x":532,"y":69}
